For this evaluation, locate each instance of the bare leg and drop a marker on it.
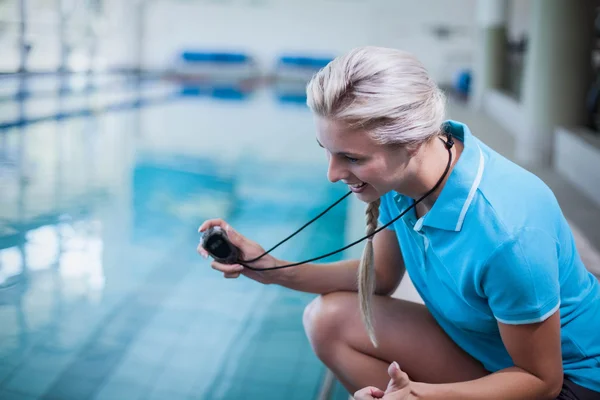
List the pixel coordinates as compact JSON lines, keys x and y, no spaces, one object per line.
{"x":406,"y":332}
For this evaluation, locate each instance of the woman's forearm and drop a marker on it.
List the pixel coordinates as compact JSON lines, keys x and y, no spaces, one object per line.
{"x":327,"y":278}
{"x":507,"y":384}
{"x":319,"y":278}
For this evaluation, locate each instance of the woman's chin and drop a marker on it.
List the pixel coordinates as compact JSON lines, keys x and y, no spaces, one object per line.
{"x":368,"y":195}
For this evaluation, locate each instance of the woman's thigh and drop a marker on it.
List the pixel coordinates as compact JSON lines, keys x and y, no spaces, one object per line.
{"x":406,"y":332}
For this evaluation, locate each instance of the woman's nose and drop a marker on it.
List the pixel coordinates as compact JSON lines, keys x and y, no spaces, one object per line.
{"x":335,"y":171}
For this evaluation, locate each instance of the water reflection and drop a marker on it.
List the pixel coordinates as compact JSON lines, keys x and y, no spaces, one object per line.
{"x":102,"y":294}
{"x":51,"y":244}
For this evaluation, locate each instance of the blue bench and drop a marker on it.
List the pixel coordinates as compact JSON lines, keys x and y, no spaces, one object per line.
{"x":194,"y":57}
{"x":298,"y":68}
{"x":314,"y":63}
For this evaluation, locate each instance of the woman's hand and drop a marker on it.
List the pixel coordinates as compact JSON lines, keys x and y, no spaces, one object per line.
{"x":249,"y":250}
{"x":399,"y":387}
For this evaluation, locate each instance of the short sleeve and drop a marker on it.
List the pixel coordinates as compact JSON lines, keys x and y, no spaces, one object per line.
{"x":385,"y":215}
{"x":520,"y":279}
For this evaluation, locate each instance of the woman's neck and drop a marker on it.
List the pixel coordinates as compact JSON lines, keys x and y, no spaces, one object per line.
{"x":433,"y":164}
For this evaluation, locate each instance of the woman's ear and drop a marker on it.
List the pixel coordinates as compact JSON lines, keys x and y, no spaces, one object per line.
{"x":413,"y":149}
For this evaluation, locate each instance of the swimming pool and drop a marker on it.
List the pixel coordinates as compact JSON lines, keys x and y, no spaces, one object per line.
{"x":102,"y":294}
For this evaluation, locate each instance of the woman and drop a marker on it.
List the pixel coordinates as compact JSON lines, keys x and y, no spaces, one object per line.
{"x":510,"y":310}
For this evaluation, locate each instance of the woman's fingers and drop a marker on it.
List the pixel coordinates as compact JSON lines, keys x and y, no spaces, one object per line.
{"x":234,"y":236}
{"x":218,"y":222}
{"x":209,"y":223}
{"x":369,"y":393}
{"x":227,"y":268}
{"x":201,"y":251}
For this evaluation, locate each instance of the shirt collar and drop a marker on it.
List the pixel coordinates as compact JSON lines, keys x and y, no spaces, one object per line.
{"x":450,"y":208}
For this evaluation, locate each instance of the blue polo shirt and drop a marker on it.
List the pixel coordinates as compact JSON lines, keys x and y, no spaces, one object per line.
{"x":496,"y":247}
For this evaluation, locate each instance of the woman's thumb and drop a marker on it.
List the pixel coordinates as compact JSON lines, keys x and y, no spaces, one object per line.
{"x":399,"y":378}
{"x":233,"y":235}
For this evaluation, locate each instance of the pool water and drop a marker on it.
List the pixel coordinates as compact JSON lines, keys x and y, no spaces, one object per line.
{"x":102,"y":294}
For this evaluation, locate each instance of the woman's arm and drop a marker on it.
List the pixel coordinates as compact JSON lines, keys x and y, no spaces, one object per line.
{"x":537,"y":374}
{"x":341,"y":275}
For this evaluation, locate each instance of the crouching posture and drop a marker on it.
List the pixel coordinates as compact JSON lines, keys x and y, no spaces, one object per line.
{"x":510,"y":311}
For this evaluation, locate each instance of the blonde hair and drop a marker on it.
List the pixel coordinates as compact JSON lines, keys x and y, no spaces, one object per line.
{"x":389,"y":94}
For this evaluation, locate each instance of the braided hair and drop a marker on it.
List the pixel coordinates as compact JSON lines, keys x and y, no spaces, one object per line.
{"x":366,"y":271}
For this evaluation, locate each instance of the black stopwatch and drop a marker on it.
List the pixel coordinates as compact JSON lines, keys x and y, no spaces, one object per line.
{"x":216,"y":242}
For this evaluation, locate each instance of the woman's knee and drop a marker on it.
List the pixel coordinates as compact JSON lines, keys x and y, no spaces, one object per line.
{"x":324,"y":319}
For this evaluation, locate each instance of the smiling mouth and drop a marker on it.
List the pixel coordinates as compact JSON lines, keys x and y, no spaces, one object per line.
{"x":357,"y":187}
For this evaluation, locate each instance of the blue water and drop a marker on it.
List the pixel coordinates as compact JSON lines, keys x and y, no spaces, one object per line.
{"x":102,"y":294}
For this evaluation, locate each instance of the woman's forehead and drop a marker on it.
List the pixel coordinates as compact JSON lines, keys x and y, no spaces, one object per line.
{"x":337,"y":136}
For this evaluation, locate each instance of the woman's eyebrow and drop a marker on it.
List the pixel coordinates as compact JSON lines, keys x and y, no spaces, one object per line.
{"x":351,"y":155}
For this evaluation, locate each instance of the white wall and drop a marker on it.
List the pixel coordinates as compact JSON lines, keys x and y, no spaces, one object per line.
{"x":505,"y":110}
{"x":9,"y":36}
{"x":117,"y":34}
{"x":115,"y":29}
{"x":264,"y":28}
{"x":519,"y":18}
{"x":577,"y":157}
{"x":320,"y":28}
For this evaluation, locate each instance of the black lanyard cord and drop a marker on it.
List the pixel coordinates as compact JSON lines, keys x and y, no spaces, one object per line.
{"x":299,"y":230}
{"x":449,"y":143}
